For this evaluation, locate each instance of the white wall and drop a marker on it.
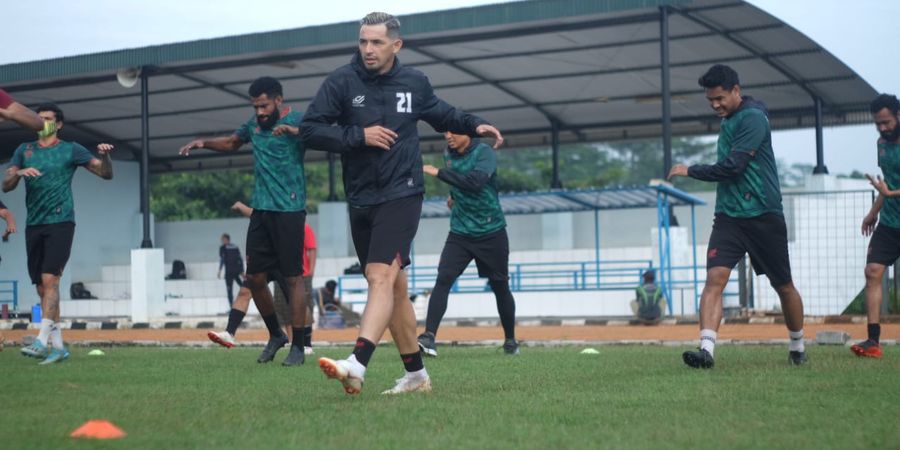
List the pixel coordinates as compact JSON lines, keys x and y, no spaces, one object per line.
{"x":106,"y":229}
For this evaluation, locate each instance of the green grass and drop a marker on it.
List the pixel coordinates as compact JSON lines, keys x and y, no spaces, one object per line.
{"x":625,"y":397}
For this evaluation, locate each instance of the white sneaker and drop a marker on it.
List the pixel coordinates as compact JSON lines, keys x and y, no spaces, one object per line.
{"x":308,"y":351}
{"x":223,"y":338}
{"x":345,"y":372}
{"x":410,"y":383}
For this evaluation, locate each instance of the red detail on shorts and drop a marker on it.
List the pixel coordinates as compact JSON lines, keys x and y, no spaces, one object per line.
{"x":5,"y":99}
{"x":713,"y":252}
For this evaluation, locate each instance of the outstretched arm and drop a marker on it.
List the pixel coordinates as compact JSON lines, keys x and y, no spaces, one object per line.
{"x":317,"y":129}
{"x":18,"y":113}
{"x":221,"y":144}
{"x":240,"y":207}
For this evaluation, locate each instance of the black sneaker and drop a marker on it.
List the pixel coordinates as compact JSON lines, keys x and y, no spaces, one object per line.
{"x":510,"y":347}
{"x":275,"y":344}
{"x":701,"y":359}
{"x":295,"y":358}
{"x":797,"y":358}
{"x":427,"y":345}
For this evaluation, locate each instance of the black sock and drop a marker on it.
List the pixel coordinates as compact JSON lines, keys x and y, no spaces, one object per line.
{"x":363,"y":351}
{"x":297,"y":337}
{"x":874,"y":332}
{"x":413,"y":362}
{"x":272,"y":325}
{"x":235,"y":318}
{"x":307,"y":337}
{"x":506,"y":307}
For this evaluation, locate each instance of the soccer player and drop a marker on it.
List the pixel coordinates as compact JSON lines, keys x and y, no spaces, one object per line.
{"x":749,"y":216}
{"x":282,"y":306}
{"x":377,"y":104}
{"x":884,"y":248}
{"x":230,"y":260}
{"x":477,"y":231}
{"x":18,"y":113}
{"x":48,"y":166}
{"x":275,"y":233}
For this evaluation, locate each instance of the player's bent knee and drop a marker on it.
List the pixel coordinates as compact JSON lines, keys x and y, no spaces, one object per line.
{"x":874,"y":272}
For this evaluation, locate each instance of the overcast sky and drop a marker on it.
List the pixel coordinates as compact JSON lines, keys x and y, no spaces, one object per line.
{"x":861,"y":33}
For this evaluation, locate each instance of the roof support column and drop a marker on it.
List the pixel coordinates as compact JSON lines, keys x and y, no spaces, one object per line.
{"x":145,"y":158}
{"x":555,"y":183}
{"x":332,"y":180}
{"x":820,"y":143}
{"x":666,"y":89}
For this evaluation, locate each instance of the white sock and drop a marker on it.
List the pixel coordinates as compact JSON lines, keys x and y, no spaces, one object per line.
{"x":708,"y":341}
{"x":356,"y":367}
{"x":56,"y":336}
{"x":796,"y":341}
{"x":418,"y":374}
{"x":44,"y":334}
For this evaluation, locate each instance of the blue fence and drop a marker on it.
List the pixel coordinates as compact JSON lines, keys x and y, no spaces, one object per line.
{"x":608,"y":275}
{"x":9,"y":293}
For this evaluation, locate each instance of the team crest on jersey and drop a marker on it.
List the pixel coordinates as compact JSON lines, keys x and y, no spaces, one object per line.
{"x":449,"y":164}
{"x":359,"y":101}
{"x":28,"y":151}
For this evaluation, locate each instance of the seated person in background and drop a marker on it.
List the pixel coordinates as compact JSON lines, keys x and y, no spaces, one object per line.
{"x":327,"y":300}
{"x":650,"y":303}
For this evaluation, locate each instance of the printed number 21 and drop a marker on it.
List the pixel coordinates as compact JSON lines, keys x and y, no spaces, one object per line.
{"x":404,"y":102}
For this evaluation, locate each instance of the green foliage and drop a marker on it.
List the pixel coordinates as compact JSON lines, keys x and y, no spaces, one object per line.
{"x":209,"y":195}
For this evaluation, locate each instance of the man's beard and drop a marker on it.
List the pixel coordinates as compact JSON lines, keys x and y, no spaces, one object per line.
{"x":893,"y":135}
{"x":268,"y":122}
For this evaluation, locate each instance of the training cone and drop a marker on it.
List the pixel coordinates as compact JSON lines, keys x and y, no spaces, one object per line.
{"x":98,"y":429}
{"x":589,"y":351}
{"x":96,"y":352}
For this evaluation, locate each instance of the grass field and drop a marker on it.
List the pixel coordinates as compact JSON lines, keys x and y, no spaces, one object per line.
{"x":624,"y":397}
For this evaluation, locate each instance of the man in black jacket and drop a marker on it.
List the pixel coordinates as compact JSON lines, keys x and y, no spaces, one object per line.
{"x":230,"y":260}
{"x":377,"y":104}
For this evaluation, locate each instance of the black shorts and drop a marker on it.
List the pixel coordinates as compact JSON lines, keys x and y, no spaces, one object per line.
{"x":763,"y":237}
{"x":884,"y":247}
{"x":490,"y":252}
{"x":275,"y":242}
{"x":48,"y":248}
{"x":384,"y":233}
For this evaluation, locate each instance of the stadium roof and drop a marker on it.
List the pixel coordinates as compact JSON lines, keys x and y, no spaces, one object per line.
{"x":575,"y":200}
{"x":590,"y":67}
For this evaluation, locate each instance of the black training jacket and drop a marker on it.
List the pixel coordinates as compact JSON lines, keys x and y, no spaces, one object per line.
{"x":355,"y":98}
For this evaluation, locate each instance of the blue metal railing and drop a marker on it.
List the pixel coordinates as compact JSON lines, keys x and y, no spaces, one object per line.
{"x":9,"y":293}
{"x":608,"y":275}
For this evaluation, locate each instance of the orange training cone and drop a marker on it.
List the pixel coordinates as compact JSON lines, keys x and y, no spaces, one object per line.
{"x":98,"y":429}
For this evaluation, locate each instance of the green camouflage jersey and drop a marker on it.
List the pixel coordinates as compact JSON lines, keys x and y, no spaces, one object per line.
{"x":473,"y":185}
{"x":48,"y":198}
{"x":280,"y":183}
{"x":889,"y":161}
{"x":757,"y":191}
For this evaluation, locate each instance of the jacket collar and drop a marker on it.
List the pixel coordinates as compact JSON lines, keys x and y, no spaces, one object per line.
{"x":368,"y":75}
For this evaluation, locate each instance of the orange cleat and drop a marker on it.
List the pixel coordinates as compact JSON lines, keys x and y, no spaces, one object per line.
{"x":867,"y":349}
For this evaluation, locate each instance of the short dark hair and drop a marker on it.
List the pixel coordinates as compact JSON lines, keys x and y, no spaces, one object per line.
{"x":266,"y":85}
{"x":330,"y":285}
{"x":226,"y":236}
{"x":719,"y":75}
{"x":650,"y":275}
{"x":382,"y":18}
{"x":885,"y":101}
{"x":60,"y":117}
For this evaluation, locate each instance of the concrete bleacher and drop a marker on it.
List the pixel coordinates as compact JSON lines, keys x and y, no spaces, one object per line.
{"x":201,"y":294}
